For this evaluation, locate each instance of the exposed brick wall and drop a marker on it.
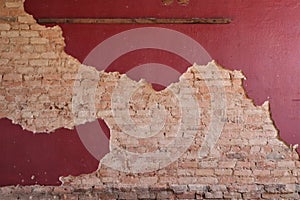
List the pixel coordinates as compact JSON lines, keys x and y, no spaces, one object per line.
{"x":42,"y":88}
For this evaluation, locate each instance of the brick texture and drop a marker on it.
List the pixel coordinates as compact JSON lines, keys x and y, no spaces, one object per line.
{"x":42,"y":89}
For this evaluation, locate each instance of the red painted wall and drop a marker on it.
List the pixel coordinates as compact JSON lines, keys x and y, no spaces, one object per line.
{"x":263,"y":41}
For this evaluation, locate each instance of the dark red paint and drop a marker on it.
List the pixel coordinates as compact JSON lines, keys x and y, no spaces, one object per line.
{"x":263,"y":41}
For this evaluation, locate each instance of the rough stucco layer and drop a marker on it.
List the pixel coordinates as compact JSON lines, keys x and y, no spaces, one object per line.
{"x":232,"y":152}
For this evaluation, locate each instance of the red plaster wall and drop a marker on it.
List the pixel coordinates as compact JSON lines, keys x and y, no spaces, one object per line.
{"x":263,"y":41}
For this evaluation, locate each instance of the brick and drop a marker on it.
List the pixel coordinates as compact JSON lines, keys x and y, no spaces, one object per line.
{"x":227,"y":164}
{"x":19,"y":40}
{"x":232,"y":195}
{"x":207,"y":180}
{"x":26,"y":19}
{"x":49,"y":55}
{"x":223,"y":172}
{"x":148,"y":180}
{"x":213,"y":195}
{"x":37,"y":27}
{"x":147,"y":195}
{"x":16,"y":4}
{"x":208,"y":164}
{"x":286,"y":164}
{"x":10,"y":33}
{"x":4,"y":27}
{"x":290,"y":196}
{"x":245,"y":164}
{"x":257,"y":172}
{"x":38,"y":62}
{"x":270,"y":196}
{"x":216,"y":188}
{"x":186,"y":172}
{"x":258,"y":141}
{"x":23,"y":26}
{"x":12,"y":77}
{"x":29,"y":33}
{"x":39,"y":40}
{"x":3,"y":61}
{"x":186,"y":195}
{"x":164,"y":195}
{"x":198,"y":187}
{"x":204,"y":172}
{"x":30,"y":55}
{"x":187,"y":180}
{"x":244,"y":180}
{"x":179,"y":189}
{"x":281,"y":172}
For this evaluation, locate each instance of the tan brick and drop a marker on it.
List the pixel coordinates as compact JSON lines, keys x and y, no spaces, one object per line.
{"x":148,"y":180}
{"x":245,"y":164}
{"x":186,"y":172}
{"x":24,"y":26}
{"x":206,"y":180}
{"x":29,"y":33}
{"x":4,"y":27}
{"x":208,"y":164}
{"x":12,"y":4}
{"x":19,"y":40}
{"x":38,"y":62}
{"x":286,"y":164}
{"x":242,"y":172}
{"x":4,"y":41}
{"x":213,"y":195}
{"x":41,"y":49}
{"x":222,"y":172}
{"x":25,"y":70}
{"x":37,"y":27}
{"x":12,"y":77}
{"x":3,"y":61}
{"x":286,"y":179}
{"x":204,"y":172}
{"x":282,"y":172}
{"x":227,"y":164}
{"x":257,"y":172}
{"x":10,"y":33}
{"x":186,"y":195}
{"x":188,"y":180}
{"x":39,"y":40}
{"x":244,"y":180}
{"x":179,"y":189}
{"x":164,"y":195}
{"x":26,"y":19}
{"x":270,"y":196}
{"x":258,"y":141}
{"x":49,"y":55}
{"x":30,"y":55}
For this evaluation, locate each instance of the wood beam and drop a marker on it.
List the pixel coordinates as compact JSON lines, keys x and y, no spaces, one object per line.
{"x":134,"y":20}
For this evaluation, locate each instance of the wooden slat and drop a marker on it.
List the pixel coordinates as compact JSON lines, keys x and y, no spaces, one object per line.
{"x":134,"y":20}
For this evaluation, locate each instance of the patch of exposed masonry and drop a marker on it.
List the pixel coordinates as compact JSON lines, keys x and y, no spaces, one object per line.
{"x":200,"y":137}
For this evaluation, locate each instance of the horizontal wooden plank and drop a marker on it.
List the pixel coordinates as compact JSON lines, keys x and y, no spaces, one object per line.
{"x":134,"y":20}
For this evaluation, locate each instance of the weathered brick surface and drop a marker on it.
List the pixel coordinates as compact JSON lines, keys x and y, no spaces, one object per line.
{"x":42,"y":88}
